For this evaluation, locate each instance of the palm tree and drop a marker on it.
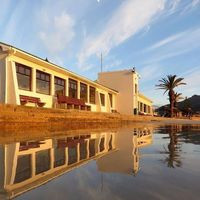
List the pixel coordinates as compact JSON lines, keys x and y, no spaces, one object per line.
{"x":177,"y":98}
{"x":169,"y":84}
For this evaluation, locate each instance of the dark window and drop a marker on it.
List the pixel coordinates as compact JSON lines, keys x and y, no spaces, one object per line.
{"x":111,"y":99}
{"x":72,"y":88}
{"x":102,"y":96}
{"x":42,"y":82}
{"x":102,"y":147}
{"x":72,"y":155}
{"x":83,"y":92}
{"x":59,"y":157}
{"x":42,"y":161}
{"x":23,"y":171}
{"x":92,"y":94}
{"x":92,"y":147}
{"x":59,"y":86}
{"x":23,"y":76}
{"x":83,"y":150}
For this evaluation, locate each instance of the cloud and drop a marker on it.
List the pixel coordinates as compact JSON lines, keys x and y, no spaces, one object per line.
{"x":173,"y":45}
{"x":191,"y":77}
{"x":125,"y":22}
{"x":58,"y":32}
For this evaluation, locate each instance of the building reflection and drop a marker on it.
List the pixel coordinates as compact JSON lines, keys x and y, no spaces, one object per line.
{"x":26,"y":165}
{"x":127,"y":159}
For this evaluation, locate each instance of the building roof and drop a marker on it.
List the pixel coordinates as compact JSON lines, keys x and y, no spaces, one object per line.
{"x":57,"y":66}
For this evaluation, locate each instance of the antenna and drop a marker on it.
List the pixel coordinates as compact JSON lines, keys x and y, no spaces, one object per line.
{"x":101,"y":62}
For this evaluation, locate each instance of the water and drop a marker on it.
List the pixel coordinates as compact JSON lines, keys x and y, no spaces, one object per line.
{"x":145,"y":162}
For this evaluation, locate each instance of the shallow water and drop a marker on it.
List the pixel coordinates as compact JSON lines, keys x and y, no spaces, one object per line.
{"x":137,"y":163}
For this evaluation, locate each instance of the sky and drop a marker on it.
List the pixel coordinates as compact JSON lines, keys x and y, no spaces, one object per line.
{"x":157,"y":37}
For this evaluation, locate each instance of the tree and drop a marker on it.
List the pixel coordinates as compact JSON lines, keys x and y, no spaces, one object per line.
{"x":169,"y":84}
{"x":177,"y":98}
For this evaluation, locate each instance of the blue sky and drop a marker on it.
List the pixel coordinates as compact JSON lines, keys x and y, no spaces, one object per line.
{"x":158,"y":37}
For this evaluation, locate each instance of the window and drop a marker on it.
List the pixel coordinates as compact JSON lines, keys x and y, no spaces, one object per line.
{"x":92,"y":94}
{"x":42,"y":82}
{"x":72,"y":88}
{"x":59,"y":86}
{"x":111,"y":99}
{"x":59,"y":157}
{"x":23,"y":77}
{"x":83,"y":92}
{"x":42,"y":161}
{"x":102,"y":96}
{"x":23,"y":171}
{"x":136,"y":89}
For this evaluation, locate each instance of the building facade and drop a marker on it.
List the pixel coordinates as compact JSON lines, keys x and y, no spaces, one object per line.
{"x":129,"y":100}
{"x":24,"y":74}
{"x":28,"y":80}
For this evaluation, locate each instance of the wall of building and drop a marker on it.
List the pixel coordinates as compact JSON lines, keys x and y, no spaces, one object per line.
{"x":122,"y":82}
{"x":13,"y":92}
{"x":2,"y":79}
{"x":144,"y":102}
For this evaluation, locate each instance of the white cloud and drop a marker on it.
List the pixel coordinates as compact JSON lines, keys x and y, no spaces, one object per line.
{"x":192,"y":79}
{"x":131,"y":17}
{"x":58,"y":32}
{"x":165,"y":41}
{"x":174,"y":45}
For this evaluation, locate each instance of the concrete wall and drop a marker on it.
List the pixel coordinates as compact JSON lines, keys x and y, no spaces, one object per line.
{"x":122,"y":81}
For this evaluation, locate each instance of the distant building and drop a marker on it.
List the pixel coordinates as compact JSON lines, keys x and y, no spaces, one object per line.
{"x":28,"y":80}
{"x":129,"y":100}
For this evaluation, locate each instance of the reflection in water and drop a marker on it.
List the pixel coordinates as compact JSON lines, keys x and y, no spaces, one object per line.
{"x":118,"y":156}
{"x":30,"y":164}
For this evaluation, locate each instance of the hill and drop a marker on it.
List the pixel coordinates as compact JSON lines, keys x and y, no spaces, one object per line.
{"x":192,"y":102}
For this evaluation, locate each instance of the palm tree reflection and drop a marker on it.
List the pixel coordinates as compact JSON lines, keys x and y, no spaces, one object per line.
{"x":173,"y":158}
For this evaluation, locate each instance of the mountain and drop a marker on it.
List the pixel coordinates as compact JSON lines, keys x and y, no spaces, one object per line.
{"x":192,"y":102}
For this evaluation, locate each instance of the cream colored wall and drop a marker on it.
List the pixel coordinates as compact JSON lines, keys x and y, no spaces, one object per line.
{"x":13,"y":153}
{"x":120,"y":81}
{"x":2,"y":79}
{"x":14,"y":92}
{"x":145,"y":101}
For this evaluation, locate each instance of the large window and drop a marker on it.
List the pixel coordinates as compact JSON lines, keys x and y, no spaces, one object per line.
{"x":102,"y":96}
{"x":72,"y":88}
{"x":92,"y":95}
{"x":23,"y":76}
{"x":23,"y":171}
{"x":59,"y":86}
{"x":42,"y":82}
{"x":83,"y":92}
{"x":42,"y":161}
{"x":111,"y":99}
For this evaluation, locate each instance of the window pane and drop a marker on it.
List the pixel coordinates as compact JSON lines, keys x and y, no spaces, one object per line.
{"x":83,"y":150}
{"x":92,"y":95}
{"x":72,"y":88}
{"x":42,"y":161}
{"x":24,"y":82}
{"x":59,"y":155}
{"x":23,"y":171}
{"x":102,"y":96}
{"x":59,"y":86}
{"x":72,"y":155}
{"x":83,"y":92}
{"x":43,"y":83}
{"x":43,"y":87}
{"x":111,"y":101}
{"x":23,"y":76}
